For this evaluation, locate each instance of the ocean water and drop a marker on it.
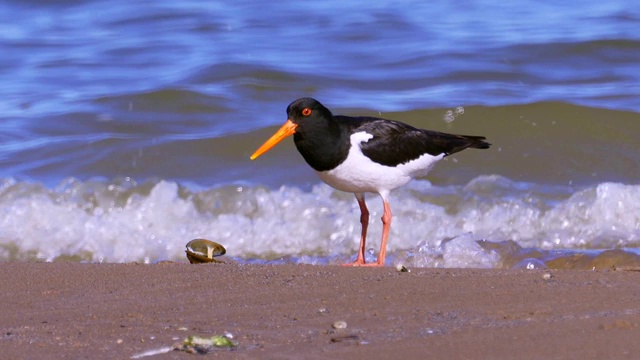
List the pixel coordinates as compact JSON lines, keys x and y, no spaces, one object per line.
{"x":126,"y":129}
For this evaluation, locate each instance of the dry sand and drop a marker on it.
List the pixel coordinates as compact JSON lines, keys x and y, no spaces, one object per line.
{"x":115,"y":311}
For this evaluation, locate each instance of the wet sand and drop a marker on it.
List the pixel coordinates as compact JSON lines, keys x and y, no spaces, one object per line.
{"x":115,"y":311}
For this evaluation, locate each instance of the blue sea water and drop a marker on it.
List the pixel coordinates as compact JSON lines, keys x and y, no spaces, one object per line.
{"x":125,"y":127}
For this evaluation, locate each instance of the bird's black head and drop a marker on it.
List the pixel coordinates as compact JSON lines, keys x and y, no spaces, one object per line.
{"x":306,"y":110}
{"x":312,"y":126}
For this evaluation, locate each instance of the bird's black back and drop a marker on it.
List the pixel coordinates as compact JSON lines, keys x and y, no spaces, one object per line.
{"x":395,"y":143}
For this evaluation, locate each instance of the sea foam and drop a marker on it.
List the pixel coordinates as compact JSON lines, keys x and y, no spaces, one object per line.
{"x":124,"y":221}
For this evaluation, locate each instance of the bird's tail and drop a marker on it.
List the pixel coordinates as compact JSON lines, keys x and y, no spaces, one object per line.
{"x":477,"y":142}
{"x":466,"y":142}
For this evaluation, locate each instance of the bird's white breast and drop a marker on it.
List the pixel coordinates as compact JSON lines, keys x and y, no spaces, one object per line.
{"x":358,"y":173}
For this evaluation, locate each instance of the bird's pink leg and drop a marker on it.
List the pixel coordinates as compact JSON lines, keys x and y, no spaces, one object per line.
{"x":386,"y":225}
{"x":364,"y":220}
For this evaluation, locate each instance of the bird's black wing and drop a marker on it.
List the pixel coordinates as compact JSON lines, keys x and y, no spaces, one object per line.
{"x":395,"y":143}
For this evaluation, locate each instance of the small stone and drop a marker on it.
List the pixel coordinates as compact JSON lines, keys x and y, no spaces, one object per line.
{"x":547,"y":276}
{"x":340,"y":324}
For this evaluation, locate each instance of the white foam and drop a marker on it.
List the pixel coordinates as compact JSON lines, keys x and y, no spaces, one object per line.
{"x":108,"y":221}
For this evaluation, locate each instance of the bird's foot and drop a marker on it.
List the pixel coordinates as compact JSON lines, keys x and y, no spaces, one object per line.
{"x":357,"y":263}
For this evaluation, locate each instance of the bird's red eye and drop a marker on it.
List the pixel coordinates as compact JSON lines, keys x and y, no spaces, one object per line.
{"x":306,"y":111}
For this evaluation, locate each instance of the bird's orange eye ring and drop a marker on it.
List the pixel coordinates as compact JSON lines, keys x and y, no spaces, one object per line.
{"x":306,"y":112}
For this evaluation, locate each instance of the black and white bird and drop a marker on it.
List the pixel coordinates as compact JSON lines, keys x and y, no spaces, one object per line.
{"x":365,"y":155}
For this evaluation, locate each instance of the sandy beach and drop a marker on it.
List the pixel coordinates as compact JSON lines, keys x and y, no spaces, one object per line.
{"x":116,"y":311}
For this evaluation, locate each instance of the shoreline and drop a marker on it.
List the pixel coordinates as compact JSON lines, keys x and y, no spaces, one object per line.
{"x":51,"y":310}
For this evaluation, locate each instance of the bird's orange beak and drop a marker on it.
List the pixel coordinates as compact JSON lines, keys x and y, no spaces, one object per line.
{"x":288,"y":129}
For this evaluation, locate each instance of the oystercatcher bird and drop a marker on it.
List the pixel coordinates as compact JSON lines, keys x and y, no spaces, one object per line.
{"x":365,"y":154}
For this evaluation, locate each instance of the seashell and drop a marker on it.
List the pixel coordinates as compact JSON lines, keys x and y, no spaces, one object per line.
{"x":203,"y":251}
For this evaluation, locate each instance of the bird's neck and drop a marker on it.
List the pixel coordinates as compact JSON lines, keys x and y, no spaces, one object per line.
{"x":322,"y":144}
